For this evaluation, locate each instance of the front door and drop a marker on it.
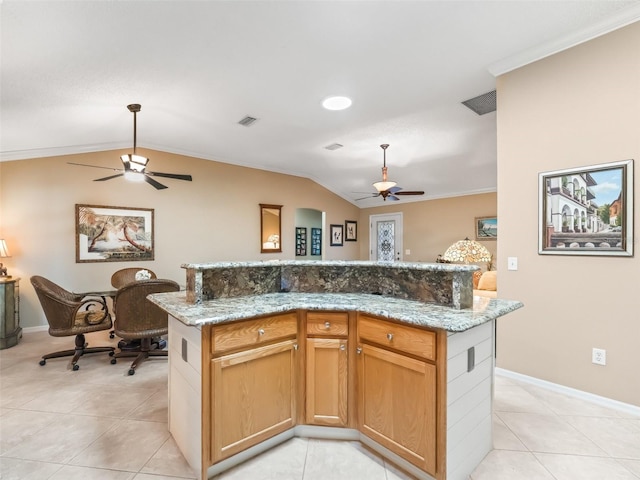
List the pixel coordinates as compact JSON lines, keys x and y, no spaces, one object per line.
{"x":385,"y":237}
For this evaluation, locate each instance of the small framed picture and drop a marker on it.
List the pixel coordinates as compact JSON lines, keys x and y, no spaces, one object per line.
{"x":486,"y":228}
{"x":351,"y":230}
{"x":336,"y":235}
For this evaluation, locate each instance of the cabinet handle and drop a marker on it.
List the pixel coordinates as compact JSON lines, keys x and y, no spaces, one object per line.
{"x":359,"y":350}
{"x":343,"y":347}
{"x":261,"y":332}
{"x":295,"y":346}
{"x":389,"y":336}
{"x":327,"y":325}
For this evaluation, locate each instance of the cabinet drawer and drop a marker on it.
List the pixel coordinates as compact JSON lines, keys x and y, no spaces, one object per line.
{"x":414,"y":341}
{"x":328,"y":323}
{"x":250,"y":333}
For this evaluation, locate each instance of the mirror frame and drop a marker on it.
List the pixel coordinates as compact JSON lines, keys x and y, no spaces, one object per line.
{"x":263,"y":207}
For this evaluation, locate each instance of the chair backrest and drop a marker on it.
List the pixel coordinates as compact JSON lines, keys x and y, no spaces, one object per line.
{"x":62,"y":307}
{"x":137,"y":317}
{"x":127,"y":275}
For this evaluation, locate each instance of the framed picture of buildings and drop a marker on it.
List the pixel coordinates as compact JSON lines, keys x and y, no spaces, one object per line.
{"x":113,"y":234}
{"x":587,"y":210}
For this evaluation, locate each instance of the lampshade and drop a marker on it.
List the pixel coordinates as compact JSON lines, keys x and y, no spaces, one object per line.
{"x":383,"y":186}
{"x":467,"y":251}
{"x":4,"y":251}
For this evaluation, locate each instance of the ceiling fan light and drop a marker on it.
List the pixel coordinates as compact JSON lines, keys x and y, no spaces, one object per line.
{"x":136,"y":163}
{"x":383,"y":186}
{"x":134,"y":176}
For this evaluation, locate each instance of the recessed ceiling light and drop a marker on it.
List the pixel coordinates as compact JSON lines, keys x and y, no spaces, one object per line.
{"x":336,"y":103}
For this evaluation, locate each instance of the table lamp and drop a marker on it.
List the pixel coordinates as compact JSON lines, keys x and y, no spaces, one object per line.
{"x":467,"y":251}
{"x":4,"y":253}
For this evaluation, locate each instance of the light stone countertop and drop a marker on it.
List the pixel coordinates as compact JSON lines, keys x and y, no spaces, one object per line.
{"x":408,"y":311}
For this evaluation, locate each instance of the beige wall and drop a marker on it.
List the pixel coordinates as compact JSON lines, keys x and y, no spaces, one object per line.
{"x":578,"y":108}
{"x":431,"y":226}
{"x":216,"y":217}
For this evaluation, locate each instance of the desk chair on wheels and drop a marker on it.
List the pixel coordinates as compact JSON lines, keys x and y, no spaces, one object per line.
{"x":138,"y":318}
{"x":127,"y":275}
{"x":71,"y":314}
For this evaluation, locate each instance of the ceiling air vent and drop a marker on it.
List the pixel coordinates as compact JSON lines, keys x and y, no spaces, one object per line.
{"x":334,"y":146}
{"x":485,"y":103}
{"x":248,"y":121}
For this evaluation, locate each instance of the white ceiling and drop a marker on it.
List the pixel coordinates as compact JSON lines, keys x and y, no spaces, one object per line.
{"x":197,"y":67}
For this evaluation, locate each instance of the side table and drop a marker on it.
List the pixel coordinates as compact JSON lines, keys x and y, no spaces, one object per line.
{"x":10,"y":330}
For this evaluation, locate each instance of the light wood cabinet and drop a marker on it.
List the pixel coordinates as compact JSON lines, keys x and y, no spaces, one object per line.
{"x":327,"y":376}
{"x":397,"y":391}
{"x":252,"y":390}
{"x":327,"y":369}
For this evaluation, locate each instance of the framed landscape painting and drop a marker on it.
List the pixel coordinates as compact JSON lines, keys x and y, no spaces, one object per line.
{"x":587,"y":210}
{"x":113,"y":234}
{"x":486,"y":228}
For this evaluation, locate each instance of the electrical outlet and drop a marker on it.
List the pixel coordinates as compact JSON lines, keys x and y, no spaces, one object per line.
{"x":599,"y":356}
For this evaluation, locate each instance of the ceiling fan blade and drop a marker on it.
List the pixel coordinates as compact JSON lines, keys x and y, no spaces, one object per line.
{"x":95,"y":166}
{"x":394,"y":189}
{"x":415,"y":192}
{"x":373,"y":195}
{"x":392,"y":197}
{"x":151,"y":181}
{"x":109,"y":177}
{"x":177,"y":176}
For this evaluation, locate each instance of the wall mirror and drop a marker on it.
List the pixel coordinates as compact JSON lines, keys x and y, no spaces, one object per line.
{"x":270,"y":228}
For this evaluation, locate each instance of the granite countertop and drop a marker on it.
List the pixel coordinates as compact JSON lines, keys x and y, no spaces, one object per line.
{"x":408,"y":311}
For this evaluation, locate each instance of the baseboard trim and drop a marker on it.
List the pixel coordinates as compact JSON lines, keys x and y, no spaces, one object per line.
{"x":39,"y":328}
{"x":573,"y":392}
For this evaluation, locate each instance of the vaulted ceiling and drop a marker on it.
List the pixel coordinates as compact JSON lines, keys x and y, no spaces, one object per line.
{"x":69,"y":69}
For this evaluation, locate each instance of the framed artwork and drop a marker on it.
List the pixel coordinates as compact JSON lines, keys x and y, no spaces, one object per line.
{"x":351,"y":231}
{"x":113,"y":234}
{"x":486,"y":228}
{"x":587,"y":210}
{"x":316,"y":241}
{"x":301,"y":241}
{"x":336,"y":235}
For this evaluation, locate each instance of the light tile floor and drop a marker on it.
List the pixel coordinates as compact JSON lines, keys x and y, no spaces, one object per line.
{"x":99,"y":423}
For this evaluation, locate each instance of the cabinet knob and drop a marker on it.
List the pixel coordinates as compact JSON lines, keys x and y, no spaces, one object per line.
{"x":261,"y":332}
{"x":295,"y":346}
{"x":389,"y":336}
{"x":327,"y":325}
{"x":343,"y":347}
{"x":359,"y":350}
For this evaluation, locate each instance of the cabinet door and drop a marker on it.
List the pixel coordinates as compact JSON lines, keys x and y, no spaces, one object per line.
{"x":326,"y":402}
{"x":253,"y":396}
{"x":397,"y":404}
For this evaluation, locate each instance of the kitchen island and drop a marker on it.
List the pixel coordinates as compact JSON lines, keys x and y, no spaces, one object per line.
{"x":398,"y":356}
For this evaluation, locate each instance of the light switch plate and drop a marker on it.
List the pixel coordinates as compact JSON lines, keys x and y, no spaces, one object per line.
{"x":512,"y":263}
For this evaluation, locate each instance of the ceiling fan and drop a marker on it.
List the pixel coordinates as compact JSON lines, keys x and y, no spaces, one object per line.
{"x":135,"y":166}
{"x":385,"y":188}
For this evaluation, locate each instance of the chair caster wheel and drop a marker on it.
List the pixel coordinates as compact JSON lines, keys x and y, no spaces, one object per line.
{"x":111,"y":354}
{"x":131,"y":371}
{"x":42,"y":362}
{"x":113,"y":361}
{"x":76,"y":367}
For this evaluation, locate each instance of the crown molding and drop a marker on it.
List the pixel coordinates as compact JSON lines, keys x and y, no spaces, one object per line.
{"x":620,"y":19}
